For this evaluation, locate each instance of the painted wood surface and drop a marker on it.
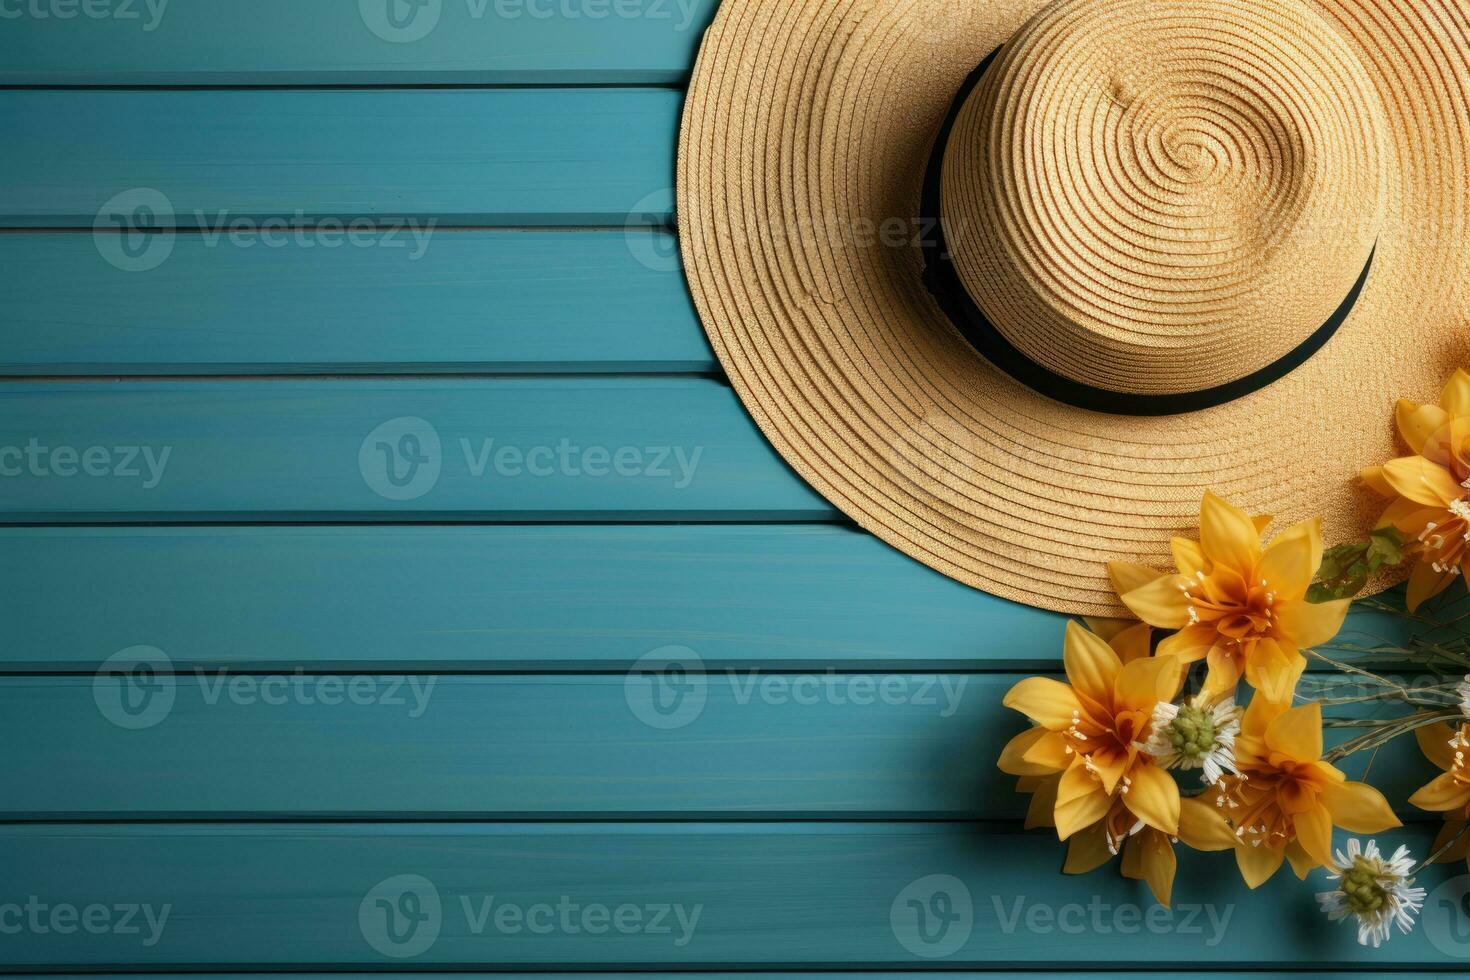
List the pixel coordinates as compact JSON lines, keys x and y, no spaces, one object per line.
{"x":141,"y":160}
{"x":509,"y":597}
{"x":784,"y":895}
{"x":373,"y":42}
{"x":635,"y":448}
{"x":656,"y":743}
{"x":540,"y":598}
{"x":448,"y":301}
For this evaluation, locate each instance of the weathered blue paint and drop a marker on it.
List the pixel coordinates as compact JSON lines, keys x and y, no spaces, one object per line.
{"x":445,"y":301}
{"x":452,"y":156}
{"x":289,"y":42}
{"x":286,"y":450}
{"x":786,"y":894}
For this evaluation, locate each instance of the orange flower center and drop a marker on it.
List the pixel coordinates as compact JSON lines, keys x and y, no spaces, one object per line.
{"x":1234,"y":609}
{"x":1254,"y":806}
{"x":1460,"y":766}
{"x":1446,"y":541}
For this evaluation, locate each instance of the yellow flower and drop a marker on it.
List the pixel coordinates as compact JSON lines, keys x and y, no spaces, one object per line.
{"x":1286,"y":799}
{"x":1148,"y":854}
{"x":1239,"y":605}
{"x":1088,"y":732}
{"x":1431,"y":489}
{"x":1449,"y":792}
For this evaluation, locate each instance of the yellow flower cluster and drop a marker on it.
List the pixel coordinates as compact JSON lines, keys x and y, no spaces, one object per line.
{"x":1098,"y":761}
{"x":1430,"y":490}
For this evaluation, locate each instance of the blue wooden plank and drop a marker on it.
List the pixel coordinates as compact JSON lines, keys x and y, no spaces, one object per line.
{"x":217,"y":160}
{"x":453,"y":301}
{"x":741,"y":743}
{"x":633,"y":448}
{"x":731,"y":744}
{"x":784,"y":895}
{"x":423,"y":598}
{"x":547,"y":598}
{"x":285,"y":42}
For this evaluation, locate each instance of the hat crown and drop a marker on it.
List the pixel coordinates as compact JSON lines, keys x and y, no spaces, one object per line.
{"x":1165,"y":196}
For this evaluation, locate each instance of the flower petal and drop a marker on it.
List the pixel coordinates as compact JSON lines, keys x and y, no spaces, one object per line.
{"x":1153,"y":797}
{"x":1133,"y":643}
{"x":1048,"y":702}
{"x":1144,"y":683}
{"x":1421,"y":481}
{"x":1425,"y":582}
{"x":1418,"y":422}
{"x":1189,"y":557}
{"x":1078,"y":781}
{"x":1189,"y":644}
{"x":1091,"y":664}
{"x":1043,"y":805}
{"x":1455,"y":398}
{"x":1162,"y":602}
{"x":1224,"y":672}
{"x":1258,"y":864}
{"x":1012,"y":759}
{"x":1358,"y":807}
{"x":1087,"y":850}
{"x":1259,"y":714}
{"x":1273,"y":669}
{"x":1441,"y":794}
{"x":1107,"y":627}
{"x":1434,"y":742}
{"x":1297,"y":733}
{"x":1292,"y":560}
{"x":1128,"y":575}
{"x":1081,"y":812}
{"x":1050,"y":752}
{"x":1302,"y":863}
{"x":1148,"y":856}
{"x":1228,"y":535}
{"x":1314,"y":833}
{"x":1202,"y":827}
{"x":1311,"y":624}
{"x":1376,"y":481}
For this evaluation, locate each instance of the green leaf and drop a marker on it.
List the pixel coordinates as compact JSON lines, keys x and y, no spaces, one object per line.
{"x":1346,"y":568}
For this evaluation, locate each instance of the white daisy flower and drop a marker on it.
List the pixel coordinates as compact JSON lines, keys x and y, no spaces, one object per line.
{"x":1463,"y":689}
{"x":1195,"y":735}
{"x":1376,"y":889}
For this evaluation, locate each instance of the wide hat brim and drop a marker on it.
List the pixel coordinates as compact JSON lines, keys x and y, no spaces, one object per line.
{"x":806,"y":135}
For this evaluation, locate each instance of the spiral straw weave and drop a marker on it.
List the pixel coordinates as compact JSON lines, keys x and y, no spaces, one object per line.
{"x":1148,"y":195}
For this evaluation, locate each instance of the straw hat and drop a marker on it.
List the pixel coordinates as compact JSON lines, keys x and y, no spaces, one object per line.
{"x":1012,"y":284}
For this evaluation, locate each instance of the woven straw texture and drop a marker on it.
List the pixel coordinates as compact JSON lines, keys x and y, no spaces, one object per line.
{"x":1147,"y":196}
